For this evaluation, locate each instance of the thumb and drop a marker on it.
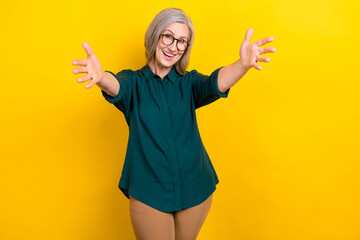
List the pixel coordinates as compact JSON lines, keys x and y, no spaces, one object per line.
{"x":88,"y":49}
{"x":248,"y":35}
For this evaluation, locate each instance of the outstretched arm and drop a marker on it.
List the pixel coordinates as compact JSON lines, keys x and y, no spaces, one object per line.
{"x":249,"y":56}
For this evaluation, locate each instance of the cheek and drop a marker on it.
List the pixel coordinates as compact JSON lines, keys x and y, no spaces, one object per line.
{"x":180,"y":56}
{"x":158,"y":53}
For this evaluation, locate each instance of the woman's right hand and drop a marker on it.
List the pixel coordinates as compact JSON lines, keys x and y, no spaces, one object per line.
{"x":91,"y":65}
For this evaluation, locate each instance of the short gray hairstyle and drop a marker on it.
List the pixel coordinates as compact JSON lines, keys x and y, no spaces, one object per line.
{"x":161,"y":21}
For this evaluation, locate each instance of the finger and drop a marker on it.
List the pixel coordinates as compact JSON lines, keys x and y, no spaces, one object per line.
{"x":84,"y":78}
{"x":248,"y":35}
{"x":80,"y":70}
{"x":257,"y":66}
{"x":80,"y":62}
{"x":264,"y":41}
{"x":90,"y":84}
{"x":267,"y":50}
{"x":262,"y":59}
{"x":87,"y":49}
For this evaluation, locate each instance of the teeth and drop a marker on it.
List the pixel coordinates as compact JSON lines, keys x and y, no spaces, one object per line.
{"x":168,"y":54}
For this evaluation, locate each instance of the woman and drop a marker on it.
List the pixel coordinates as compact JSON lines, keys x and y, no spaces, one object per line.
{"x":167,"y":173}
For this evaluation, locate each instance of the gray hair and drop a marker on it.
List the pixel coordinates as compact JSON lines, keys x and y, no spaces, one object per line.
{"x":161,"y":21}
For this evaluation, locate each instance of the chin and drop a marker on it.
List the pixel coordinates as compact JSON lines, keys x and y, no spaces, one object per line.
{"x":168,"y":64}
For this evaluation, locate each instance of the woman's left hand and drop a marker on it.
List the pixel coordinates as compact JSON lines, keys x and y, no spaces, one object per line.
{"x":250,"y":52}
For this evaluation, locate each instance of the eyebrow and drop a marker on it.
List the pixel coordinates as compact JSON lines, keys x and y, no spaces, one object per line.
{"x":174,"y":33}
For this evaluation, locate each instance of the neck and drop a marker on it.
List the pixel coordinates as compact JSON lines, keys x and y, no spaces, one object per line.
{"x":159,"y":70}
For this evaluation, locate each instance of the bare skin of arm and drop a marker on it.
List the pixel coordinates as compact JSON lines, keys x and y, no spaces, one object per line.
{"x":104,"y":80}
{"x":109,"y":84}
{"x":249,"y":56}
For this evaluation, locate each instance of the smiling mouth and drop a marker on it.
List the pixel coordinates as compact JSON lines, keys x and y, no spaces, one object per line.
{"x":167,"y":55}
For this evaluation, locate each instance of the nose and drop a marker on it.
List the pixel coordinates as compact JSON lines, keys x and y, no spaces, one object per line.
{"x":172,"y":46}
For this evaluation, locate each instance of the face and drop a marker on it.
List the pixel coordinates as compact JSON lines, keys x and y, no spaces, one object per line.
{"x":179,"y":31}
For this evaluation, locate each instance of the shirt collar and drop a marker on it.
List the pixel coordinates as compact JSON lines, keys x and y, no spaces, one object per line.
{"x":149,"y":75}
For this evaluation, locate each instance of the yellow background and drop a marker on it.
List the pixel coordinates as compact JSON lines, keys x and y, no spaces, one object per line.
{"x":285,"y":143}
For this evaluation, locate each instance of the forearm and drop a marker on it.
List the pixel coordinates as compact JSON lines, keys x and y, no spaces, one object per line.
{"x":230,"y":74}
{"x":109,"y":84}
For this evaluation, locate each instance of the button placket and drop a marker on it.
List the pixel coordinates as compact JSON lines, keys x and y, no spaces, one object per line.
{"x":172,"y":147}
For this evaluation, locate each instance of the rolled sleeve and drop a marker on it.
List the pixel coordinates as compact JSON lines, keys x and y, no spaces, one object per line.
{"x":123,"y":98}
{"x":205,"y":88}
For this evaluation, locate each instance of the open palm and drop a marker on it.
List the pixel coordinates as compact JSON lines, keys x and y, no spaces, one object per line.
{"x":91,"y":66}
{"x":250,"y":52}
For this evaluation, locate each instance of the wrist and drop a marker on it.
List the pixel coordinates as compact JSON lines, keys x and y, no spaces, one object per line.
{"x":102,"y":77}
{"x":241,"y":65}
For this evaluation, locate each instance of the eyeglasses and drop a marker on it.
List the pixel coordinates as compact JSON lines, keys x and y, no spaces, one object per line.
{"x":168,"y":39}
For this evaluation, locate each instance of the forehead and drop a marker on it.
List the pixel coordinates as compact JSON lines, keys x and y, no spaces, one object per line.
{"x":178,"y":29}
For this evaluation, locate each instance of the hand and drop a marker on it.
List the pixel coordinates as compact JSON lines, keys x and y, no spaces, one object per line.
{"x":250,"y":52}
{"x":91,"y":66}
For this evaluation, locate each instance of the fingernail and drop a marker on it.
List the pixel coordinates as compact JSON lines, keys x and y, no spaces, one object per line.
{"x":74,"y":62}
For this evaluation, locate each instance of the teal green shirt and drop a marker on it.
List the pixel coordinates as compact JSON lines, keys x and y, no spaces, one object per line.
{"x":166,"y":165}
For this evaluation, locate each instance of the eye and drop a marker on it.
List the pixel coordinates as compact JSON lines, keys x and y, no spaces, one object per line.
{"x":168,"y":36}
{"x":182,"y":41}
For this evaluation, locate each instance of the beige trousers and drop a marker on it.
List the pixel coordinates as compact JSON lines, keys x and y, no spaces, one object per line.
{"x":151,"y":224}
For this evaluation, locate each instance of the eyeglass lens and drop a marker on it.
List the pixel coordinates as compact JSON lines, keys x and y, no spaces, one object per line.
{"x":168,"y":39}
